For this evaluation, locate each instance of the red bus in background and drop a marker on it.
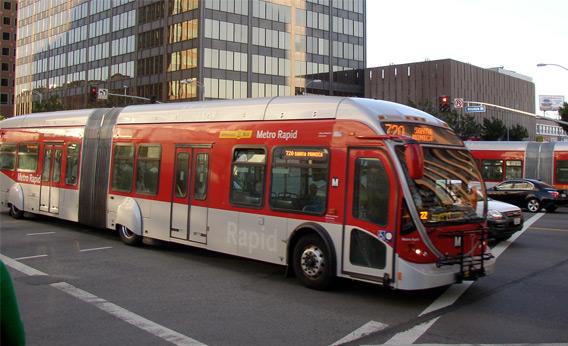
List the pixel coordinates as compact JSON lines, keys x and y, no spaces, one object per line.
{"x":499,"y":161}
{"x":327,"y":186}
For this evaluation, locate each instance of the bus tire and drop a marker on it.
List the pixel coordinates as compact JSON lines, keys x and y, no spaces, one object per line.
{"x":15,"y":212}
{"x":312,"y":262}
{"x":128,"y":237}
{"x":533,"y":205}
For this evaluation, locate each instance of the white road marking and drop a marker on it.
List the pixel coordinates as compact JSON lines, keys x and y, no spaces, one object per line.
{"x":542,"y":344}
{"x":366,"y":329}
{"x":42,"y":233}
{"x":12,"y":263}
{"x":409,"y":336}
{"x":108,"y":307}
{"x":29,"y":257}
{"x":549,"y":229}
{"x":127,"y":316}
{"x":96,"y":248}
{"x":453,"y":293}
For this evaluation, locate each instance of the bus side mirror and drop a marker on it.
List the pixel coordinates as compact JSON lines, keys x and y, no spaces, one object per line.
{"x":414,"y":160}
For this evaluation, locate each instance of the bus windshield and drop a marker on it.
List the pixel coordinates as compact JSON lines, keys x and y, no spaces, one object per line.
{"x":449,"y":190}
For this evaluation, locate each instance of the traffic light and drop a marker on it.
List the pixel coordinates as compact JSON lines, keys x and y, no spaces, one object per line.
{"x":444,"y":103}
{"x":93,"y":93}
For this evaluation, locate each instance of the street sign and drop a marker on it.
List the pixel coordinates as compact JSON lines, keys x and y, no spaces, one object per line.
{"x":475,"y":109}
{"x":458,"y":103}
{"x":103,"y":94}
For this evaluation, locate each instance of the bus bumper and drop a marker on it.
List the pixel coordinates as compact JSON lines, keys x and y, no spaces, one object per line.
{"x":418,"y":276}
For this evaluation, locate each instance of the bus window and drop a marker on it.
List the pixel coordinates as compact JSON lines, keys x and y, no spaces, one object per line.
{"x":492,"y":169}
{"x":72,"y":168}
{"x":148,"y":169}
{"x":371,"y":195}
{"x":201,"y":168}
{"x":562,"y":171}
{"x":247,"y":182}
{"x":8,"y":156}
{"x":182,"y":175}
{"x":513,"y":169}
{"x":123,"y":167}
{"x":46,"y":165}
{"x":57,"y":166}
{"x":299,"y":180}
{"x":27,"y":157}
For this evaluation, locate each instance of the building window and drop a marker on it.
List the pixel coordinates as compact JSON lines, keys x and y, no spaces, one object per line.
{"x":3,"y":99}
{"x":5,"y":51}
{"x":6,"y":20}
{"x":299,"y":180}
{"x":5,"y":66}
{"x":247,"y":182}
{"x":6,"y":36}
{"x":7,"y":5}
{"x":4,"y":82}
{"x":148,"y":169}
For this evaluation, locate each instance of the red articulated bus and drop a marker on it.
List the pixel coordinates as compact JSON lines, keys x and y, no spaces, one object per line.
{"x":327,"y":186}
{"x":499,"y":161}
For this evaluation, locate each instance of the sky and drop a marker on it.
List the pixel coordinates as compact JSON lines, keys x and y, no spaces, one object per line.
{"x":486,"y":33}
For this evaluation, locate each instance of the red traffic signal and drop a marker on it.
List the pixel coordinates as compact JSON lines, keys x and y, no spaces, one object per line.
{"x":93,"y":93}
{"x":444,"y":103}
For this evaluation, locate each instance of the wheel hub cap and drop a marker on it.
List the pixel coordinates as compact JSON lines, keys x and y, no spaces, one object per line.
{"x":312,"y":261}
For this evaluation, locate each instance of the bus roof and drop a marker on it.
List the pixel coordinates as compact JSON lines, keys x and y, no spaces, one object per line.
{"x":511,"y":145}
{"x":275,"y":108}
{"x":259,"y":109}
{"x":49,"y":119}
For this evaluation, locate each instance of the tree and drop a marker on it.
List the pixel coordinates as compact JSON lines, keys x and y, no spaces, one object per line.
{"x":563,"y":112}
{"x":518,"y":133}
{"x":493,"y":130}
{"x":464,"y":125}
{"x":54,"y":103}
{"x":2,"y":117}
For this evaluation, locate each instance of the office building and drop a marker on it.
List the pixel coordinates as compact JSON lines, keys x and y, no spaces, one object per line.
{"x":171,"y":50}
{"x":8,"y":10}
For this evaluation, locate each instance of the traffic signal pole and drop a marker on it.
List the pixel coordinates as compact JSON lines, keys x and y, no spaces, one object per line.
{"x":516,"y":111}
{"x":132,"y":97}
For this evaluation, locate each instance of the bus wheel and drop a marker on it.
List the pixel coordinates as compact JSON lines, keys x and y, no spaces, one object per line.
{"x":15,"y":212}
{"x":533,"y":205}
{"x":128,"y":237}
{"x":312,"y":264}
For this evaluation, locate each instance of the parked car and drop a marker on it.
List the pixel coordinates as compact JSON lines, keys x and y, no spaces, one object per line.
{"x":529,"y":193}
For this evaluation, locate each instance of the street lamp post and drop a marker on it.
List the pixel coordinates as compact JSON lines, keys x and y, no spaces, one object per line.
{"x":542,"y":65}
{"x":313,"y":81}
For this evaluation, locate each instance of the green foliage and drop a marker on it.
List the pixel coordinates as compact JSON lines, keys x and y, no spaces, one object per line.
{"x":54,"y":103}
{"x":518,"y":133}
{"x":493,"y":130}
{"x":2,"y":117}
{"x":563,"y":112}
{"x":464,"y":125}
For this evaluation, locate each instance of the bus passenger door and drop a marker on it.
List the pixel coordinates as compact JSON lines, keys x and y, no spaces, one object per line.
{"x":199,"y":210}
{"x":369,"y":228}
{"x":50,"y":179}
{"x":180,"y":199}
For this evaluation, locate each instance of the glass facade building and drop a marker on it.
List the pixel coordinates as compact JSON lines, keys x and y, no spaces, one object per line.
{"x":172,"y":50}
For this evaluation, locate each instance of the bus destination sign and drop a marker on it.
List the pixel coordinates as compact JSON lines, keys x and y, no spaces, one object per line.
{"x":422,"y":133}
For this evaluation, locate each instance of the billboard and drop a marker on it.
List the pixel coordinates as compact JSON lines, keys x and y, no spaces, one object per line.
{"x":550,"y":102}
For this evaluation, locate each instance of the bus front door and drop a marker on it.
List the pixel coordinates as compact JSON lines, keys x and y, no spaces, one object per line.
{"x":189,"y":209}
{"x":369,"y":229}
{"x":50,"y":179}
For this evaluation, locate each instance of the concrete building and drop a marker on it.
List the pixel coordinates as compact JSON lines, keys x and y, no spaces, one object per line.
{"x":8,"y":11}
{"x":174,"y":50}
{"x":423,"y":82}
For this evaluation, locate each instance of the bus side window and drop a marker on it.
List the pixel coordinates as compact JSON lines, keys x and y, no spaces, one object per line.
{"x":148,"y":169}
{"x":8,"y":156}
{"x":123,"y":167}
{"x":72,"y":164}
{"x":562,"y":171}
{"x":492,"y":169}
{"x":27,"y":157}
{"x":247,"y":178}
{"x":513,"y":169}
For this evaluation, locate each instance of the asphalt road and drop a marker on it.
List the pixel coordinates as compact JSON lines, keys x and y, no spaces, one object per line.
{"x":98,"y":291}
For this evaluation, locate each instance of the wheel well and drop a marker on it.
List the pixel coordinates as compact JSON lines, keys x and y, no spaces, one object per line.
{"x":302,"y":231}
